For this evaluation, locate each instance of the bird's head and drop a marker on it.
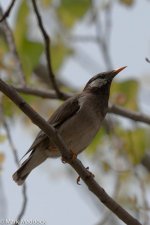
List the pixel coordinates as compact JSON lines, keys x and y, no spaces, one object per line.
{"x":102,"y":79}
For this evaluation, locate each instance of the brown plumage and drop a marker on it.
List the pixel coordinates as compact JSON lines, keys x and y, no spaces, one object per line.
{"x":77,"y":120}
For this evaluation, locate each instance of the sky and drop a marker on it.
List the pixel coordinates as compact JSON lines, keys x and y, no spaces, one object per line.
{"x":53,"y":195}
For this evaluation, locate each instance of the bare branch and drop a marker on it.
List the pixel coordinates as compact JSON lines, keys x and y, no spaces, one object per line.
{"x":67,"y":155}
{"x":147,"y":60}
{"x":82,"y":38}
{"x":14,"y":150}
{"x":101,"y":38}
{"x":6,"y":14}
{"x":146,"y":161}
{"x":24,"y":204}
{"x":16,"y":158}
{"x":135,"y":116}
{"x":47,"y":51}
{"x":144,"y":197}
{"x":138,"y":117}
{"x":13,"y":49}
{"x":40,"y":93}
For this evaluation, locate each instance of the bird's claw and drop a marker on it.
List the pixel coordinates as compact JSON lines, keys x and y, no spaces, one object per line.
{"x":63,"y":160}
{"x":78,"y":180}
{"x":90,"y":174}
{"x":73,"y":157}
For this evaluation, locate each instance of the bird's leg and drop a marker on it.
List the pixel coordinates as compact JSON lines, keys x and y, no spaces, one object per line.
{"x":63,"y":160}
{"x":73,"y":157}
{"x":90,"y":174}
{"x":78,"y":180}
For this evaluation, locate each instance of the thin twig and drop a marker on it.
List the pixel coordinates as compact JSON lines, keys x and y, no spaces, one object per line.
{"x":40,"y":93}
{"x":108,"y":215}
{"x":147,"y":60}
{"x":82,"y":38}
{"x":144,"y":196}
{"x":14,"y":150}
{"x":24,"y":204}
{"x":146,"y":161}
{"x":13,"y":49}
{"x":101,"y":38}
{"x":108,"y":21}
{"x":93,"y":186}
{"x":47,"y":50}
{"x":16,"y":158}
{"x":7,"y":12}
{"x":135,"y":116}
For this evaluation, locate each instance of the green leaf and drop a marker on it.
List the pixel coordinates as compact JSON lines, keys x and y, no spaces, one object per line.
{"x":21,"y":26}
{"x":125,"y":93}
{"x":8,"y":107}
{"x":2,"y":157}
{"x":135,"y":143}
{"x":29,"y":51}
{"x":2,"y":138}
{"x":72,"y":10}
{"x":97,"y":141}
{"x":58,"y":54}
{"x":46,"y":3}
{"x":3,"y":49}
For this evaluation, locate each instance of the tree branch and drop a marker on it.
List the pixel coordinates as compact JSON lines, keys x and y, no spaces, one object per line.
{"x":16,"y":158}
{"x":138,"y":117}
{"x":67,"y":155}
{"x":102,"y":41}
{"x":13,"y":49}
{"x":6,"y":14}
{"x":47,"y":50}
{"x":147,"y":60}
{"x":120,"y":111}
{"x":40,"y":93}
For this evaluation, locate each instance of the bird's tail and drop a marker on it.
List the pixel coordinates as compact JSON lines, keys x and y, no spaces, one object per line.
{"x":35,"y":159}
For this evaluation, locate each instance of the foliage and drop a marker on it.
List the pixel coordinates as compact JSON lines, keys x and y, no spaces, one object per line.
{"x":29,"y":51}
{"x":72,"y":11}
{"x":127,"y":144}
{"x":127,"y":2}
{"x":125,"y":94}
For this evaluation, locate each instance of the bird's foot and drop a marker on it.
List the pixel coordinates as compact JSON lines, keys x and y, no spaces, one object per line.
{"x":78,"y":180}
{"x":73,"y":157}
{"x":90,"y":174}
{"x":63,"y":160}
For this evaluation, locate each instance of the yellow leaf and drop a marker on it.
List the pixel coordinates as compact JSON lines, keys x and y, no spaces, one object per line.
{"x":46,"y":3}
{"x":125,"y":94}
{"x":2,"y":157}
{"x":135,"y":143}
{"x":70,"y":11}
{"x":2,"y":138}
{"x":127,"y":2}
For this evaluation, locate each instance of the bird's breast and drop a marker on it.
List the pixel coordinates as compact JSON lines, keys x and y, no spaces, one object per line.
{"x":79,"y":130}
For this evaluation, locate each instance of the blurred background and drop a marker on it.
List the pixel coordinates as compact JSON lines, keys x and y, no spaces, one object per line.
{"x":86,"y":37}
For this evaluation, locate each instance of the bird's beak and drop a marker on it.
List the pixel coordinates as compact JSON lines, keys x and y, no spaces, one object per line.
{"x":115,"y":72}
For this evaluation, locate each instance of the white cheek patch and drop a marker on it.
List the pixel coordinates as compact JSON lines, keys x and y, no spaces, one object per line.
{"x":98,"y":83}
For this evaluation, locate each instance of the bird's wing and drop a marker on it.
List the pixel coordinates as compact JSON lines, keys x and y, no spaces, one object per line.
{"x":63,"y":113}
{"x":40,"y":137}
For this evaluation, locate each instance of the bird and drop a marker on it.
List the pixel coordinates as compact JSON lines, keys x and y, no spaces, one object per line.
{"x":77,"y":121}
